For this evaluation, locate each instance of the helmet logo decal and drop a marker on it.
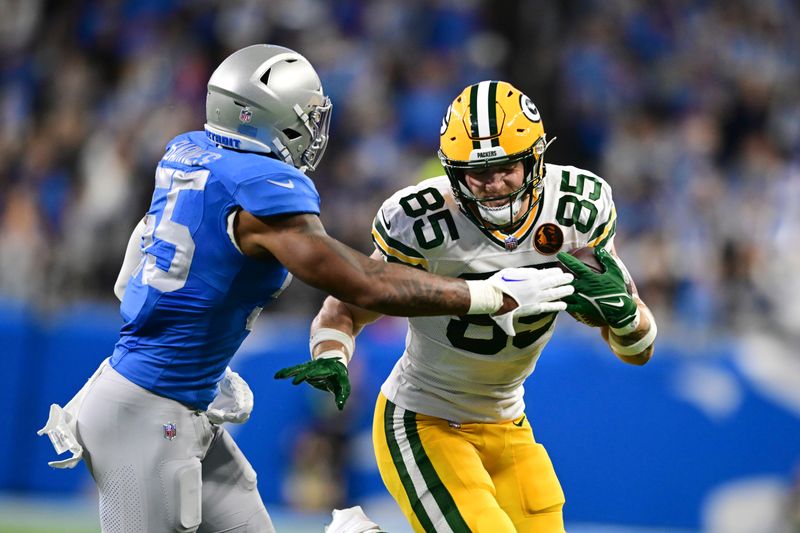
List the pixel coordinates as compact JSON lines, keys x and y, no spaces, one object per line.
{"x":486,"y":153}
{"x":245,"y":115}
{"x":529,"y":109}
{"x":548,"y":238}
{"x":479,"y":154}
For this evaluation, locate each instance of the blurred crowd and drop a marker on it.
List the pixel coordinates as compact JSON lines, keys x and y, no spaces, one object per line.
{"x":690,"y":109}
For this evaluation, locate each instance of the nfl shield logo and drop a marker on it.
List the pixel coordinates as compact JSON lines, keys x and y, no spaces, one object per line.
{"x":170,"y":431}
{"x":245,"y":115}
{"x":511,"y":243}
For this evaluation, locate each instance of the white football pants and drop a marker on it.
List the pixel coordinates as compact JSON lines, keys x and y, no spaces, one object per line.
{"x":197,"y":480}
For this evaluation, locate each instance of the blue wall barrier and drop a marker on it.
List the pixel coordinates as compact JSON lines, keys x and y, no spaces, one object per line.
{"x":637,"y":445}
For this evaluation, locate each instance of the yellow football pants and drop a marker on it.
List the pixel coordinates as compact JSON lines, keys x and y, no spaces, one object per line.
{"x":488,"y":478}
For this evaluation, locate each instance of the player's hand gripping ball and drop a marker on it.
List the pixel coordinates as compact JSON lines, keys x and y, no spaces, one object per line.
{"x":587,"y":314}
{"x":583,"y":309}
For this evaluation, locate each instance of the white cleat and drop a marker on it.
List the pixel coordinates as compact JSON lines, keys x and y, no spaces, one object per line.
{"x":351,"y":520}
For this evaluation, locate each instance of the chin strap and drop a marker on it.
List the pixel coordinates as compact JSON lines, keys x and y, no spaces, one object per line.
{"x":540,"y":161}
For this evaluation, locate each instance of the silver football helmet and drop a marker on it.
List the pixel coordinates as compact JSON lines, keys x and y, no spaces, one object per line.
{"x":269,"y":99}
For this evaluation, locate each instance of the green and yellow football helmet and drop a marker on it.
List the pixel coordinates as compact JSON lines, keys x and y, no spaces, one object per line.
{"x":493,"y":123}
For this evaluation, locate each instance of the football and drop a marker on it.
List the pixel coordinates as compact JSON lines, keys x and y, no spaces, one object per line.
{"x":587,"y":257}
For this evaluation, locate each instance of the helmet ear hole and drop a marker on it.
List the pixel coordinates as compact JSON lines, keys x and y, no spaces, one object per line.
{"x":291,"y":134}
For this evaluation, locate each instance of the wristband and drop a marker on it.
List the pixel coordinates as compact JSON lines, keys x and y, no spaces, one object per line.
{"x":638,"y":346}
{"x":484,"y":298}
{"x":331,"y":334}
{"x":333,"y":354}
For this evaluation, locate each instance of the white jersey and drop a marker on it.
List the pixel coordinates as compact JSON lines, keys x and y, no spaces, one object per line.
{"x":466,"y":369}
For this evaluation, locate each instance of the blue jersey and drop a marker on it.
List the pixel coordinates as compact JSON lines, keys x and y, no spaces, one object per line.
{"x":190,"y":303}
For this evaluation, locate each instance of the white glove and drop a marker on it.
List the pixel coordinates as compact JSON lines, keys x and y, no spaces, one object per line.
{"x":536,"y":292}
{"x":351,"y":520}
{"x":61,"y":427}
{"x":234,"y":402}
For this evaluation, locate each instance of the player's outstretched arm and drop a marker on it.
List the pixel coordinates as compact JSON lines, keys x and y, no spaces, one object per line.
{"x":341,"y":316}
{"x":300,"y":243}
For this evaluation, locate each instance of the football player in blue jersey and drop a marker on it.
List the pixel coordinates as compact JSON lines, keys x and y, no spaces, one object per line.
{"x":233,"y":217}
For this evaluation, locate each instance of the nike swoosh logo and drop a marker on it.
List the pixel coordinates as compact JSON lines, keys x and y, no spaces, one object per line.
{"x":288,"y":184}
{"x":510,"y":279}
{"x":521,"y":420}
{"x":616,"y":303}
{"x":385,"y":221}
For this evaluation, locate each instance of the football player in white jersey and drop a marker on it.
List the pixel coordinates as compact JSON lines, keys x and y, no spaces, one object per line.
{"x":452,"y":441}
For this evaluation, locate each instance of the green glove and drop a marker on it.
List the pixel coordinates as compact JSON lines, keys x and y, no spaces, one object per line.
{"x":327,"y":374}
{"x":603,"y":294}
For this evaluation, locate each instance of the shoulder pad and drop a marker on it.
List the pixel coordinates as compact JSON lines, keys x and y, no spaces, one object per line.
{"x":391,"y":230}
{"x":274,"y":188}
{"x":416,"y":223}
